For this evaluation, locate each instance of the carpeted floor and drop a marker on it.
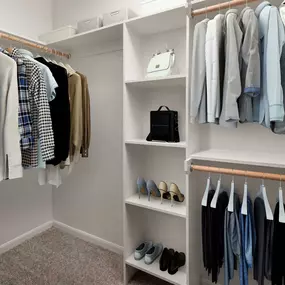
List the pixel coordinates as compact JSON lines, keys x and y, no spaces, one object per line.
{"x":56,"y":258}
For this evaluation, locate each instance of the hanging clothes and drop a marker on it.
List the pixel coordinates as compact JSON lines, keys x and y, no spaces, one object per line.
{"x":250,"y":70}
{"x":217,"y":217}
{"x":278,"y":269}
{"x":248,"y":241}
{"x":40,"y":112}
{"x":215,"y":61}
{"x":232,"y":80}
{"x":75,"y":96}
{"x":232,"y":240}
{"x":60,"y":113}
{"x":10,"y":152}
{"x":272,"y":40}
{"x":24,"y":114}
{"x":263,"y":251}
{"x":198,"y":102}
{"x":86,"y":114}
{"x":206,"y":233}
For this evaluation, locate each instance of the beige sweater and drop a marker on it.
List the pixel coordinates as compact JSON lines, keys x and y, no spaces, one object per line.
{"x":75,"y":96}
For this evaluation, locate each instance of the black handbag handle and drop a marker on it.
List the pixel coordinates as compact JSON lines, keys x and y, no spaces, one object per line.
{"x":162,"y":107}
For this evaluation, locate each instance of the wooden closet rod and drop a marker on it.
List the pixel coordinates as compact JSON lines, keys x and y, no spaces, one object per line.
{"x":237,"y":172}
{"x":220,"y":6}
{"x":33,"y":45}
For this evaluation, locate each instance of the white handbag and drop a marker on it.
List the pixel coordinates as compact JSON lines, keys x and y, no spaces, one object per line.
{"x":161,"y":64}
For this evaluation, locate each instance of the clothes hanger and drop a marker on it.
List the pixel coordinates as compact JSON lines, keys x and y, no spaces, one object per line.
{"x":217,"y":192}
{"x":268,"y":211}
{"x":231,"y":199}
{"x":244,"y":200}
{"x":206,"y":193}
{"x":281,"y":204}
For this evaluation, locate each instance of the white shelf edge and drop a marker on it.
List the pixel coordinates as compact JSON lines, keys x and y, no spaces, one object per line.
{"x":155,"y":205}
{"x":241,"y":157}
{"x":181,"y":145}
{"x":158,"y":79}
{"x":88,"y":33}
{"x":178,"y":279}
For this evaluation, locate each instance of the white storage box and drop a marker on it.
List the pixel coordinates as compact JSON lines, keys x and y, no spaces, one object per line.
{"x":117,"y":16}
{"x":89,"y":24}
{"x":58,"y":35}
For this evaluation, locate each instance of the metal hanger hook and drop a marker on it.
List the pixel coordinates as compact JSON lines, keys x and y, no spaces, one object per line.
{"x":245,"y":177}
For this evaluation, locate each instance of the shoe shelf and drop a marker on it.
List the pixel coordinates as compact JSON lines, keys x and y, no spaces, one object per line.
{"x":161,"y":82}
{"x":177,"y":279}
{"x":155,"y":143}
{"x":155,"y":205}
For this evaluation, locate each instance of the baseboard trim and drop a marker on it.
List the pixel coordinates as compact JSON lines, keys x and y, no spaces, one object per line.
{"x":89,"y":237}
{"x":24,"y":237}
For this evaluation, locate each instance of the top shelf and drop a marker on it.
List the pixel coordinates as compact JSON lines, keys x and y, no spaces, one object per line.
{"x":164,"y":21}
{"x":264,"y":159}
{"x":92,"y":38}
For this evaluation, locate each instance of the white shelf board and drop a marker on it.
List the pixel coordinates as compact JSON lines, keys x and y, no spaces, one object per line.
{"x":265,"y":159}
{"x":178,"y":279}
{"x":160,"y":82}
{"x":154,"y":204}
{"x":163,"y":21}
{"x":156,"y":143}
{"x":92,"y":38}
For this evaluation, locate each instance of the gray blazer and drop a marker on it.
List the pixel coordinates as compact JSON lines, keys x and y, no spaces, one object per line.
{"x":198,"y":112}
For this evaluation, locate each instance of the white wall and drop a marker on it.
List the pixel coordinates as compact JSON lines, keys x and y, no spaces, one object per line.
{"x":28,"y":18}
{"x":24,"y":205}
{"x":79,"y":10}
{"x":90,"y":199}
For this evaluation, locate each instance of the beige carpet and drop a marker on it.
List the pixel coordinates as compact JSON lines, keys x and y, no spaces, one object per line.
{"x":56,"y":258}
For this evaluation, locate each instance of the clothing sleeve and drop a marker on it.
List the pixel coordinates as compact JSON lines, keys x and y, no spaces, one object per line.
{"x":251,"y":57}
{"x":276,"y":39}
{"x":86,"y":120}
{"x":11,"y":130}
{"x":232,"y":75}
{"x":198,"y":80}
{"x":76,"y":118}
{"x":46,"y":135}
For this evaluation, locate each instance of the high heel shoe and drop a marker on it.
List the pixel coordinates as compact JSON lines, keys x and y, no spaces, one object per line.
{"x":175,"y":194}
{"x":141,"y":187}
{"x":152,"y":189}
{"x":164,"y":194}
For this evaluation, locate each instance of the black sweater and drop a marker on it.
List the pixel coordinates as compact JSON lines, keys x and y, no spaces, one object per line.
{"x":60,"y":113}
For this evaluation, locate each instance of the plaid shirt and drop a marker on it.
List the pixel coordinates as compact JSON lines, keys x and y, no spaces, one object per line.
{"x":40,"y":111}
{"x":24,"y":121}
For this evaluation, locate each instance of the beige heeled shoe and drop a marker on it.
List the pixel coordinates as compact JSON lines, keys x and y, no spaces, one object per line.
{"x":175,"y":194}
{"x":163,"y":189}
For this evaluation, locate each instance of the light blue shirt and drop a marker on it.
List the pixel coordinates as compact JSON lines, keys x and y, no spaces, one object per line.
{"x":272,"y":40}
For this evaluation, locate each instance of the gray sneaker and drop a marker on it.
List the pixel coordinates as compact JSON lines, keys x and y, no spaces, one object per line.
{"x":142,"y":250}
{"x":153,"y":253}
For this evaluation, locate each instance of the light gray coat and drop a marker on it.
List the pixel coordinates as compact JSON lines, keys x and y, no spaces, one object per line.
{"x":232,"y":80}
{"x":198,"y":112}
{"x":250,"y":70}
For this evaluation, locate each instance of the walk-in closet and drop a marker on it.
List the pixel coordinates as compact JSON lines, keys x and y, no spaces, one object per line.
{"x":142,"y":142}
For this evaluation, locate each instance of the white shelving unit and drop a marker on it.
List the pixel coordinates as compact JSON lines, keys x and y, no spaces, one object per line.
{"x":163,"y":161}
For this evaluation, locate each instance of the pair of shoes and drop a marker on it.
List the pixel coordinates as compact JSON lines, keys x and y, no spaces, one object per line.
{"x":149,"y":251}
{"x":173,"y":194}
{"x":148,"y":188}
{"x":171,"y":260}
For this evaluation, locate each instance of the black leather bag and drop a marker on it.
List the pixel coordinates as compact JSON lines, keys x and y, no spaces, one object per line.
{"x":164,"y":126}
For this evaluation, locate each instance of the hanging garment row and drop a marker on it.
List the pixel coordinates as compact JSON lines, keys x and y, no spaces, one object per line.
{"x":238,"y":68}
{"x":242,"y":236}
{"x":45,"y":116}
